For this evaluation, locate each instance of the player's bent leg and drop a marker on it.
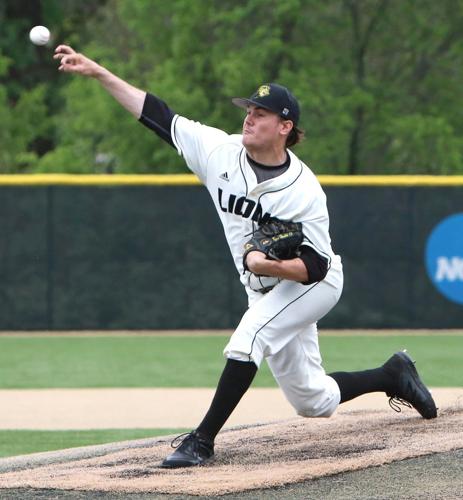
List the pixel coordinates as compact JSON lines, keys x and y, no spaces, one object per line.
{"x":316,"y":405}
{"x":298,"y":370}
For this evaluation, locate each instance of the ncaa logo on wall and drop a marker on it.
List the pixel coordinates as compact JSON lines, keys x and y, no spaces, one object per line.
{"x":444,"y":257}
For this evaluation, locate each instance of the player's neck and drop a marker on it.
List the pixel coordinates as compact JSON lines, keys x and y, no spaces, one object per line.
{"x":267,"y":157}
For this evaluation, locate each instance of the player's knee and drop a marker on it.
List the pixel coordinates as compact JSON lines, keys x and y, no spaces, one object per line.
{"x":313,"y":409}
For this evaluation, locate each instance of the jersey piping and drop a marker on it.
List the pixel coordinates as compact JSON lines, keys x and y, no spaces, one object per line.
{"x":277,"y":314}
{"x":174,"y":138}
{"x":282,"y":188}
{"x":242,"y":154}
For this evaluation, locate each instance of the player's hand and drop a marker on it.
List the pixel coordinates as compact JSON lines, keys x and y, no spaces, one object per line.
{"x":291,"y":269}
{"x":255,"y":260}
{"x":73,"y":62}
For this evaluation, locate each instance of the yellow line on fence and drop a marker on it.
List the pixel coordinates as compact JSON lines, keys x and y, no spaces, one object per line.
{"x":98,"y":180}
{"x":225,"y":333}
{"x":391,"y":180}
{"x":190,"y":179}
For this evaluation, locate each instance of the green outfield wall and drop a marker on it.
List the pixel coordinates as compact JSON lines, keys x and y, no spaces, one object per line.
{"x":148,"y":252}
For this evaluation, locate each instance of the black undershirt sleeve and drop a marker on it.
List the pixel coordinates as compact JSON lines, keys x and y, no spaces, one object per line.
{"x":317,"y":266}
{"x":157,"y":116}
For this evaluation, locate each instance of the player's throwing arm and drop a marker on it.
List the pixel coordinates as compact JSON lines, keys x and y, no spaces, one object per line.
{"x":127,"y":95}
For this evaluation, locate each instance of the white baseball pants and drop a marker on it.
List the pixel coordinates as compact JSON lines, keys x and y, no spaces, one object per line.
{"x":281,"y":326}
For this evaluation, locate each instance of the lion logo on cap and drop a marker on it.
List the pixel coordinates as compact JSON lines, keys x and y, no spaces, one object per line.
{"x":263,"y":90}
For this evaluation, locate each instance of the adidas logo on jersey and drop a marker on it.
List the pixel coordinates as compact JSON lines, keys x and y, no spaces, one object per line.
{"x":224,"y":176}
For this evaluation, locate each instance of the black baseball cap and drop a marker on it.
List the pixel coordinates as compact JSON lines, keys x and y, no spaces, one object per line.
{"x":275,"y":98}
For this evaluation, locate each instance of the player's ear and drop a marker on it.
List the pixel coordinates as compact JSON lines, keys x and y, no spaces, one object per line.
{"x":287,"y":126}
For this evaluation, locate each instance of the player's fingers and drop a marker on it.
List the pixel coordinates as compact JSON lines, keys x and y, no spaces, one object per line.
{"x":64,"y":49}
{"x":66,"y":60}
{"x":70,"y":68}
{"x":72,"y":59}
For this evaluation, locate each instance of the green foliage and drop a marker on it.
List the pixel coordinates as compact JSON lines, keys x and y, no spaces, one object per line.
{"x":424,"y":141}
{"x":379,"y":82}
{"x":23,"y":124}
{"x":29,"y":83}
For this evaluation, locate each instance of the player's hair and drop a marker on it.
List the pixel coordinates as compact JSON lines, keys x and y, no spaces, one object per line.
{"x":294,"y":137}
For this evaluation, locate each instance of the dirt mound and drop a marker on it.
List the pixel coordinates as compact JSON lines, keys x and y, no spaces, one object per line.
{"x":247,"y":458}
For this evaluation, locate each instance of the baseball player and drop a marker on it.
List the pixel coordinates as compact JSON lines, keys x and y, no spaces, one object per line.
{"x":256,"y":184}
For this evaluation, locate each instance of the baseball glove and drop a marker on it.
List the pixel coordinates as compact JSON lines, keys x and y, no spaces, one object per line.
{"x":277,"y":239}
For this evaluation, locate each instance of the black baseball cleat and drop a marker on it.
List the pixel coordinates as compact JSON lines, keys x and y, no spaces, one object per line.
{"x":409,"y":390}
{"x":192,"y":449}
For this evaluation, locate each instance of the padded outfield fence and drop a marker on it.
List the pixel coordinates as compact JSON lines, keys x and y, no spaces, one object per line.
{"x":148,"y":252}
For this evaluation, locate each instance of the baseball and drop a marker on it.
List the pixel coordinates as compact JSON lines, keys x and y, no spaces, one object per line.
{"x":39,"y":35}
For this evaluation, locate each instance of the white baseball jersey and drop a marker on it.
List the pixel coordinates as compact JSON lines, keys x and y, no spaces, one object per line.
{"x":220,"y":162}
{"x":281,"y":325}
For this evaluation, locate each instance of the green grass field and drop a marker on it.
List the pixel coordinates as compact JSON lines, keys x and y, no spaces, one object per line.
{"x":37,"y":361}
{"x":22,"y":442}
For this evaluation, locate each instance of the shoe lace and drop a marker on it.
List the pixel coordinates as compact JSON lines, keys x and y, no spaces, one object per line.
{"x":180,"y":439}
{"x":395,"y":403}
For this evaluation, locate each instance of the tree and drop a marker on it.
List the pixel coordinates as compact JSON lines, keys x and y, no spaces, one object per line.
{"x":378,"y":81}
{"x":29,"y":81}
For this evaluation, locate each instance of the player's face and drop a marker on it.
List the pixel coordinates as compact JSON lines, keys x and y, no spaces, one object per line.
{"x":263,"y":129}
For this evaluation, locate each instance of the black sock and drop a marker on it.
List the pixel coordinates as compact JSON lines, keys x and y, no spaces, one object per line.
{"x":353,"y":384}
{"x":234,"y":382}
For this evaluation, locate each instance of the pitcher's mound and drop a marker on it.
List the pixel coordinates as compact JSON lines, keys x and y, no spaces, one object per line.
{"x":247,"y":458}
